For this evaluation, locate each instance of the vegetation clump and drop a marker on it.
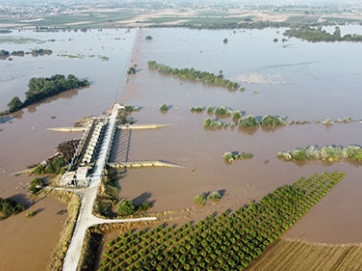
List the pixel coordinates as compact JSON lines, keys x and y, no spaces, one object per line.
{"x":131,"y":70}
{"x":9,"y":207}
{"x":124,"y":114}
{"x":200,"y":200}
{"x":209,"y":109}
{"x":249,"y":122}
{"x":54,"y":165}
{"x":126,"y":207}
{"x":30,"y":214}
{"x":222,"y":111}
{"x":107,"y":196}
{"x":35,"y":185}
{"x":214,"y":196}
{"x":198,"y":109}
{"x":329,"y":153}
{"x":266,"y":121}
{"x":163,"y":108}
{"x":234,"y":156}
{"x":192,"y":74}
{"x":272,"y":121}
{"x":213,"y":124}
{"x":236,"y":115}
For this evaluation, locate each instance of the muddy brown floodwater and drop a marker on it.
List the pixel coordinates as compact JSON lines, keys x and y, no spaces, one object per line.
{"x":296,"y":79}
{"x":309,"y":90}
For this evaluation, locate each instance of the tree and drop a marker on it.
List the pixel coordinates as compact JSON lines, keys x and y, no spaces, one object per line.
{"x":4,"y":53}
{"x":269,"y":120}
{"x":163,"y":107}
{"x":214,"y":196}
{"x":249,"y":121}
{"x":337,"y":33}
{"x":131,"y":70}
{"x":200,"y":199}
{"x":35,"y":185}
{"x":15,"y":104}
{"x":126,"y":207}
{"x":9,"y":207}
{"x":228,"y":157}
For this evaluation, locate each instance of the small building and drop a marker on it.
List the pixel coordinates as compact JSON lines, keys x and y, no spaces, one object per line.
{"x":68,"y":179}
{"x":82,"y":174}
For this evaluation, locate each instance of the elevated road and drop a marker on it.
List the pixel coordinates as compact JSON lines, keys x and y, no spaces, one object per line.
{"x":85,"y":217}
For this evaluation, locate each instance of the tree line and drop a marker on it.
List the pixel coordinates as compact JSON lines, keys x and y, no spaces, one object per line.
{"x":329,"y":153}
{"x":40,"y":88}
{"x":35,"y":52}
{"x":313,"y":34}
{"x":192,"y":74}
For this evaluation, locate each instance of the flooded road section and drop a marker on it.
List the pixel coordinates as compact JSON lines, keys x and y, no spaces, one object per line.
{"x":295,"y":79}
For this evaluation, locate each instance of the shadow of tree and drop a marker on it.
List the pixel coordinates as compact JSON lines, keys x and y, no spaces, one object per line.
{"x":142,"y":198}
{"x":23,"y":199}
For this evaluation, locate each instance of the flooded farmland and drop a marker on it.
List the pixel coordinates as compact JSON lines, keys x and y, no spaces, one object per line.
{"x":296,"y":79}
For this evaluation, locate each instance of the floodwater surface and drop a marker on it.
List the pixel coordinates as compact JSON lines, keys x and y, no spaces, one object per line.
{"x":295,"y":79}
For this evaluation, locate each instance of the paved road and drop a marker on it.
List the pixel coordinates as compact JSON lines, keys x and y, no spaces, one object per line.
{"x":85,"y":217}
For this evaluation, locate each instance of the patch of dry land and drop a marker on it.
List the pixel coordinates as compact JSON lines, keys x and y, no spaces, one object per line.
{"x":287,"y":255}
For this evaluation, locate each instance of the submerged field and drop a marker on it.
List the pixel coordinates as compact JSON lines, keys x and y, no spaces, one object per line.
{"x":294,"y":79}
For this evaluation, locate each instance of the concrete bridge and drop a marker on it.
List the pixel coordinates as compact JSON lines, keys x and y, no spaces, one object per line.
{"x":85,"y":217}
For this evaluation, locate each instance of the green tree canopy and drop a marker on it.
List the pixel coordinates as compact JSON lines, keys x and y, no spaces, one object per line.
{"x":126,"y":207}
{"x":9,"y":207}
{"x":15,"y":104}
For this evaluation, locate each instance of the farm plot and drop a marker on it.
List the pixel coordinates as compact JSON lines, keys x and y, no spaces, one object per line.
{"x":230,"y":241}
{"x":287,"y":255}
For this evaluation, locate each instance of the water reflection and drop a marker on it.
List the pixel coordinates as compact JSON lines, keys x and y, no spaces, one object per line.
{"x":65,"y":95}
{"x":5,"y":119}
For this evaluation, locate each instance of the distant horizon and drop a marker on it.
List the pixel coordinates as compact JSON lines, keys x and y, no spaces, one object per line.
{"x":260,"y":2}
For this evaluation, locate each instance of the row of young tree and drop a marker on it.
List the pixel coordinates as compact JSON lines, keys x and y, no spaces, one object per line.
{"x":40,"y":88}
{"x":192,"y":74}
{"x":230,"y":241}
{"x":35,"y":52}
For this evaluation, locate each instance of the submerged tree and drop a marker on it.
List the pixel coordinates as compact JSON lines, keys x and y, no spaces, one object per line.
{"x":15,"y":104}
{"x":249,"y":121}
{"x":200,"y":200}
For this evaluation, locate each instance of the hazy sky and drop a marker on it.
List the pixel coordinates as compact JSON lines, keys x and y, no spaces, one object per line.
{"x":238,"y":2}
